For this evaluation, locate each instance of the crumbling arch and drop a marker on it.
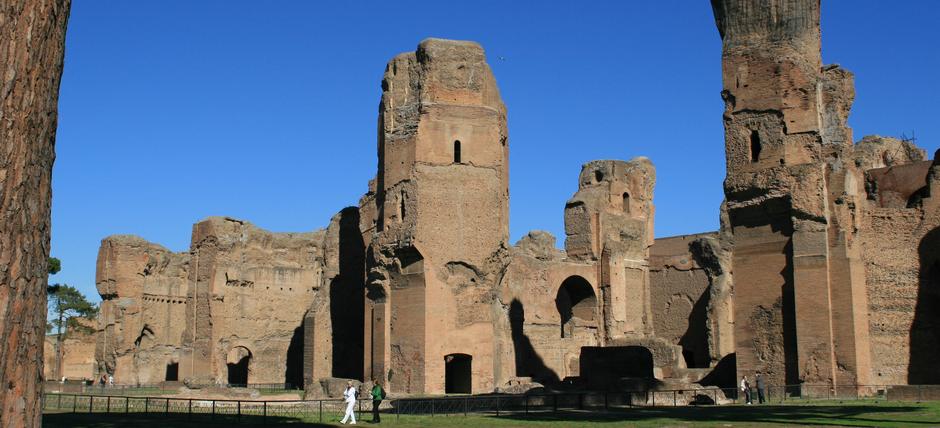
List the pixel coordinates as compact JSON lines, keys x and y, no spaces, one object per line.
{"x":238,"y":361}
{"x":575,"y":299}
{"x":458,"y":378}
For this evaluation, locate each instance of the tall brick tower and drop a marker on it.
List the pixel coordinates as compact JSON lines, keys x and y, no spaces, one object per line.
{"x":439,"y":214}
{"x":800,"y":299}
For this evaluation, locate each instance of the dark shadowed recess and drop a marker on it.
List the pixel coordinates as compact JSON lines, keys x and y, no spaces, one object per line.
{"x":528,"y":361}
{"x":924,"y":368}
{"x":294,"y":367}
{"x":347,"y":294}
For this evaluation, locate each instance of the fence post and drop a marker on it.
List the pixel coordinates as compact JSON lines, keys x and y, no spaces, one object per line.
{"x":127,"y":404}
{"x":147,"y":405}
{"x":190,"y":415}
{"x":166,"y":410}
{"x":675,"y":401}
{"x":74,"y":403}
{"x":466,"y":406}
{"x":264,"y":412}
{"x":107,"y":408}
{"x":59,"y":406}
{"x":91,"y":400}
{"x":497,"y":405}
{"x":213,"y":410}
{"x":321,"y":411}
{"x":432,"y":407}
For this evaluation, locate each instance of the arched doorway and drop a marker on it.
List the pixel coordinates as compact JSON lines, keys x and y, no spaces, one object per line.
{"x":575,"y":299}
{"x":457,"y":374}
{"x":238,"y":361}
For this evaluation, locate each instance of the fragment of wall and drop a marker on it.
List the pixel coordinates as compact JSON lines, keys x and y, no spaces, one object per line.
{"x":142,"y":314}
{"x":78,"y":357}
{"x":531,"y":343}
{"x":680,"y":295}
{"x":899,"y":239}
{"x":254,"y":288}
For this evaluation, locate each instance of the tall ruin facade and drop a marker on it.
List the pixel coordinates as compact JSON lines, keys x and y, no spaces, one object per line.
{"x":811,"y":299}
{"x":824,"y":270}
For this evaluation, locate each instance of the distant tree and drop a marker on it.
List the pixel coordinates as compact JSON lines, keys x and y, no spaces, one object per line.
{"x":54,"y":265}
{"x":67,"y":306}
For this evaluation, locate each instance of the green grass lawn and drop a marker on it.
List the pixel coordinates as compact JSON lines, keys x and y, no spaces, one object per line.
{"x":860,"y":413}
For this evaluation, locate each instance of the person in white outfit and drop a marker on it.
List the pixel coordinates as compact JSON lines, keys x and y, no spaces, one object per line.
{"x":349,"y":395}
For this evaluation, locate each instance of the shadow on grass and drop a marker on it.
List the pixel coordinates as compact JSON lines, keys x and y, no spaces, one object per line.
{"x":816,"y":415}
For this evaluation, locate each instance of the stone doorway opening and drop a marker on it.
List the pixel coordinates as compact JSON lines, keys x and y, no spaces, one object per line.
{"x":172,"y":372}
{"x":457,"y":374}
{"x":238,"y":362}
{"x":575,"y":299}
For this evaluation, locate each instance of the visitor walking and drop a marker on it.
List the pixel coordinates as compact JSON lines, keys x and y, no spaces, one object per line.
{"x":378,"y":394}
{"x":350,"y":395}
{"x":760,"y":387}
{"x":746,"y":389}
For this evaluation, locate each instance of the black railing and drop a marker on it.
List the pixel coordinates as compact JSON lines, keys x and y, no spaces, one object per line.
{"x":157,"y":388}
{"x":494,"y":404}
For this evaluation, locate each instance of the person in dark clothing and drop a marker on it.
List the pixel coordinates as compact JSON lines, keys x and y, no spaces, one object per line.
{"x":378,"y":394}
{"x":760,"y":388}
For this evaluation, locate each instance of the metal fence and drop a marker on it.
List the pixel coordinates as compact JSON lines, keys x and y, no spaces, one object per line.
{"x":493,"y":404}
{"x":157,"y":388}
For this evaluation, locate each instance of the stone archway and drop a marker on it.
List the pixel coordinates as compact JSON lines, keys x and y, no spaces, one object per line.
{"x":575,"y":299}
{"x":238,"y":361}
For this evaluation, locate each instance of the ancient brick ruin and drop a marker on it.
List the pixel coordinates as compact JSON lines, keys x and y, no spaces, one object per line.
{"x":825,"y":269}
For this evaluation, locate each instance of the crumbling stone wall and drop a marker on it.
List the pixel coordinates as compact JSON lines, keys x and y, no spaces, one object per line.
{"x":239,"y":292}
{"x":252,"y":288}
{"x":77,"y":357}
{"x":901,"y":232}
{"x":536,"y":342}
{"x":680,"y":295}
{"x":144,"y":294}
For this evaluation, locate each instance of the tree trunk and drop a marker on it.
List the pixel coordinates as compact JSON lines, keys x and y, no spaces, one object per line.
{"x":32,"y":39}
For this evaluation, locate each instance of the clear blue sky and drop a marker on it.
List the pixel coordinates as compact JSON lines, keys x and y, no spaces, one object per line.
{"x":171,"y":111}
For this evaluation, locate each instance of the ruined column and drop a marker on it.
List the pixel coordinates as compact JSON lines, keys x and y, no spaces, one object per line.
{"x":441,"y":218}
{"x":799,"y":284}
{"x":609,"y":221}
{"x":32,"y":40}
